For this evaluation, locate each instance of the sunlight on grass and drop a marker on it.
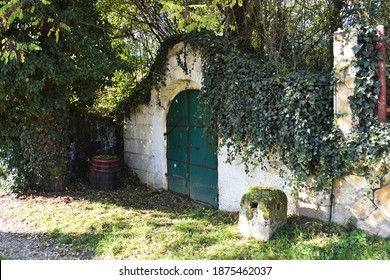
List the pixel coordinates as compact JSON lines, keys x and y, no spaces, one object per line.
{"x":139,"y":223}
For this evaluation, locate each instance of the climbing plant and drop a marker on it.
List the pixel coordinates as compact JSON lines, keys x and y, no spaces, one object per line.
{"x":273,"y":98}
{"x":265,"y":114}
{"x":369,"y":140}
{"x":54,"y":56}
{"x":261,"y":111}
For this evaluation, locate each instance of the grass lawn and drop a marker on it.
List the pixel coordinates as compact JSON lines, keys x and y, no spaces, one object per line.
{"x":139,"y":223}
{"x":3,"y":257}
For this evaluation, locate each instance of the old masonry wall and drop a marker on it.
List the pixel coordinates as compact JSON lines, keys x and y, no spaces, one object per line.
{"x":368,"y":207}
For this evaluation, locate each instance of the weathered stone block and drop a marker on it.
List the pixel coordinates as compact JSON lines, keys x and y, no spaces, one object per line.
{"x":386,"y":179}
{"x":314,"y":205}
{"x":376,"y":223}
{"x":384,"y":230}
{"x":382,"y":200}
{"x":341,"y":214}
{"x":262,"y":211}
{"x":314,"y":211}
{"x":363,"y":208}
{"x":343,"y":45}
{"x":377,"y":219}
{"x":349,"y":189}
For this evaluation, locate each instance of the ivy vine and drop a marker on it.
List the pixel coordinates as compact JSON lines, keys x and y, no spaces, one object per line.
{"x":260,"y":110}
{"x":369,"y":140}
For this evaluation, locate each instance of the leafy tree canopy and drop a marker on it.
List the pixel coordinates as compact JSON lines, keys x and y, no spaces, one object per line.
{"x":54,"y":56}
{"x":59,"y":57}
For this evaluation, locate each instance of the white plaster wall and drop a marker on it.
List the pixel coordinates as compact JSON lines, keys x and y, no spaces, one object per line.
{"x":145,"y":143}
{"x":176,"y":81}
{"x":314,"y":205}
{"x":145,"y":152}
{"x":146,"y":147}
{"x":138,"y":143}
{"x":344,"y":72}
{"x":233,"y":181}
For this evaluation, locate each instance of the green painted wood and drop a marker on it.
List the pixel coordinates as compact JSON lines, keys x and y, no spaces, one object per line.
{"x":191,"y":151}
{"x":177,"y":143}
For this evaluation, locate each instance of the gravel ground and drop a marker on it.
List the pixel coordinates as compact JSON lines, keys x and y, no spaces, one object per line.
{"x":19,"y":241}
{"x":22,"y":241}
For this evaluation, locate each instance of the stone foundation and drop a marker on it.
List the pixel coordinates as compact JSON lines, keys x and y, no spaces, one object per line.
{"x":353,"y":201}
{"x":358,"y":203}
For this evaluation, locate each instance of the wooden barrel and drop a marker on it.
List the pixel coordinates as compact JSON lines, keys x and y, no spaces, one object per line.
{"x":105,"y":172}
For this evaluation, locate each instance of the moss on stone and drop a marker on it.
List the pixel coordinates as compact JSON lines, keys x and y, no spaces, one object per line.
{"x":271,"y":202}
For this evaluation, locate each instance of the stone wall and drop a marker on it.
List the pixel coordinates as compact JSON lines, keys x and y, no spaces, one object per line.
{"x":343,"y":43}
{"x":358,"y":203}
{"x":353,"y":200}
{"x":145,"y":143}
{"x":233,"y":181}
{"x":138,"y":144}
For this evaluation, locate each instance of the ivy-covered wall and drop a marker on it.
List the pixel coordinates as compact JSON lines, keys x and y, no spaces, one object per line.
{"x":146,"y":148}
{"x":277,"y":126}
{"x":358,"y":200}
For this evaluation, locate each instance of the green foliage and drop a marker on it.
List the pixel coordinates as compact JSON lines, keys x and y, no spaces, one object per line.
{"x":273,"y":98}
{"x":44,"y":142}
{"x":4,"y":257}
{"x":275,"y":95}
{"x":55,"y":55}
{"x":12,"y":171}
{"x":140,"y":93}
{"x":193,"y":15}
{"x":364,"y":100}
{"x":369,"y":140}
{"x":260,"y":111}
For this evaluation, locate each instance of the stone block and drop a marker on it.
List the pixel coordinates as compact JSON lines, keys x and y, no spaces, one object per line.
{"x":377,"y":219}
{"x":262,"y":211}
{"x":341,"y":214}
{"x":313,"y":211}
{"x":138,"y":161}
{"x":313,"y":204}
{"x":349,"y":189}
{"x":382,"y":200}
{"x":363,"y":208}
{"x":384,"y":230}
{"x":386,"y":179}
{"x":138,"y":146}
{"x":376,"y":223}
{"x":138,"y":132}
{"x":363,"y":225}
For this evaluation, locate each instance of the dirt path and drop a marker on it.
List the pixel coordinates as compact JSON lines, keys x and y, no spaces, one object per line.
{"x":22,"y":242}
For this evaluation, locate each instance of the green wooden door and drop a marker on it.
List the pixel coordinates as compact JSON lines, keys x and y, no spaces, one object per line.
{"x":191,"y":151}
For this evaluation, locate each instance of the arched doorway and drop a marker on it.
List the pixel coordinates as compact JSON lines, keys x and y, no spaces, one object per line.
{"x":191,"y":151}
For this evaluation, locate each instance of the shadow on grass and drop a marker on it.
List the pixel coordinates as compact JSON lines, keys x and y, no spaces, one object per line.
{"x":174,"y":227}
{"x":318,"y":240}
{"x":133,"y":194}
{"x":297,"y":240}
{"x":43,"y":246}
{"x":136,"y":196}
